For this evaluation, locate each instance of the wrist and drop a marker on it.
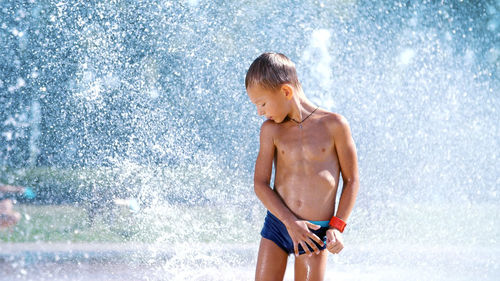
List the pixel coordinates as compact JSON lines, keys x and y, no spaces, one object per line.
{"x":337,"y":223}
{"x":334,"y":229}
{"x":289,"y":220}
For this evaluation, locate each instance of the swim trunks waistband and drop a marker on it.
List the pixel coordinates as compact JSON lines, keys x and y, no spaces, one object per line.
{"x":321,"y":223}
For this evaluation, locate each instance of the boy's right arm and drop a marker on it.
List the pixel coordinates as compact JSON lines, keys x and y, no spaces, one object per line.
{"x":298,"y":229}
{"x":11,"y":188}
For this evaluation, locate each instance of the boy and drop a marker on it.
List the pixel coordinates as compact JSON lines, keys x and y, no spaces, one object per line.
{"x":309,"y":147}
{"x":9,"y":217}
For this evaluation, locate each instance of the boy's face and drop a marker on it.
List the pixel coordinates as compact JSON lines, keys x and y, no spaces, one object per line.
{"x":272,"y":104}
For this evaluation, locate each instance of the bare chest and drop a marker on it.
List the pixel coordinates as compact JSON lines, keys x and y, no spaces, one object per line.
{"x":312,"y":143}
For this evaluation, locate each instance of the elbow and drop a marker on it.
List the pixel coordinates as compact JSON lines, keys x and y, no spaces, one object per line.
{"x":259,"y":186}
{"x":257,"y":189}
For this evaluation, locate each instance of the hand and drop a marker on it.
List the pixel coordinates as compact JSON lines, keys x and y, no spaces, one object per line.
{"x":301,"y":235}
{"x":334,"y":241}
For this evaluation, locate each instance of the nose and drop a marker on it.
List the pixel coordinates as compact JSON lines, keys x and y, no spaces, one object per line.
{"x":260,"y":111}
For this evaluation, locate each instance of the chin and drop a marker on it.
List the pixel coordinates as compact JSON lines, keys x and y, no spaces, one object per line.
{"x":279,"y":121}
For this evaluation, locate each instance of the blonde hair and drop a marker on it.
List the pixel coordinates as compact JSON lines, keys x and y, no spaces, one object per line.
{"x":271,"y":70}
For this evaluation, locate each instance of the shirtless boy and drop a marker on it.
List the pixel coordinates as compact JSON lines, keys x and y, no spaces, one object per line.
{"x":9,"y":217}
{"x":310,"y":148}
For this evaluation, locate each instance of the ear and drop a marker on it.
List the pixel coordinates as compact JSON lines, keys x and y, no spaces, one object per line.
{"x":287,"y":90}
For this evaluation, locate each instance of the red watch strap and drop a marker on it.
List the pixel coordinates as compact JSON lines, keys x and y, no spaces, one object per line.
{"x":337,"y":223}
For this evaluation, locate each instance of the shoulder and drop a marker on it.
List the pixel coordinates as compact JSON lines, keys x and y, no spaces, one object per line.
{"x":268,"y":125}
{"x":334,"y":121}
{"x":268,"y":128}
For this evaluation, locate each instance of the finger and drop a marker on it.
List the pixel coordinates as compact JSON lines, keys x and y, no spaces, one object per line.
{"x":340,"y":250}
{"x":335,"y":244}
{"x":337,"y":248}
{"x":313,"y":246}
{"x":333,"y":250}
{"x":305,"y":248}
{"x":330,"y":237}
{"x":312,"y":225}
{"x":296,"y":249}
{"x":332,"y":247}
{"x":331,"y":242}
{"x":314,"y":237}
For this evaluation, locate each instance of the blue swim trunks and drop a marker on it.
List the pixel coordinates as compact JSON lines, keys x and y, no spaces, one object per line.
{"x":276,"y":231}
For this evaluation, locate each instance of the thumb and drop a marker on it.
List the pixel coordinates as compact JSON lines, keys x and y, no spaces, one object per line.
{"x":330,"y":237}
{"x":312,"y":225}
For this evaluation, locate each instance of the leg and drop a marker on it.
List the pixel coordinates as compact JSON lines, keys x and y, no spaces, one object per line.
{"x":9,"y":220}
{"x":311,"y":268}
{"x":8,"y":217}
{"x":271,"y":262}
{"x":6,"y":206}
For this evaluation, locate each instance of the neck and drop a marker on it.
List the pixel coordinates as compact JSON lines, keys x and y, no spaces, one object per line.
{"x":300,"y":108}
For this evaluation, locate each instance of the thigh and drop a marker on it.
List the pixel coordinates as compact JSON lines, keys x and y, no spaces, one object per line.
{"x":8,"y":220}
{"x":311,"y":268}
{"x":5,"y":205}
{"x":271,"y":262}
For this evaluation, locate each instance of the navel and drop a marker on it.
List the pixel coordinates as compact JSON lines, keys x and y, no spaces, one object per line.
{"x":298,"y":204}
{"x":323,"y":149}
{"x":282,"y":152}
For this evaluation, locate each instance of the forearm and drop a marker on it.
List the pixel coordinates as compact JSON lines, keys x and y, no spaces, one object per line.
{"x":347,"y":199}
{"x":273,"y":203}
{"x":10,"y":188}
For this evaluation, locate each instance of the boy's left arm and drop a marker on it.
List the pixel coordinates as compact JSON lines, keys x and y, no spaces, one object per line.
{"x":346,"y":152}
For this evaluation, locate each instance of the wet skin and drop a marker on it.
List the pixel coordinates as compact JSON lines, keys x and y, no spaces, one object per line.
{"x":307,"y":167}
{"x":308,"y":162}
